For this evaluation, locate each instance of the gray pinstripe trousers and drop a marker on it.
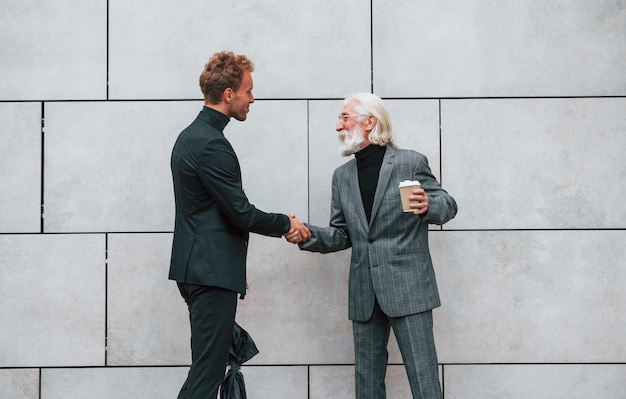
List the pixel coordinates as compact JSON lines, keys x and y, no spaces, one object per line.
{"x":414,"y":334}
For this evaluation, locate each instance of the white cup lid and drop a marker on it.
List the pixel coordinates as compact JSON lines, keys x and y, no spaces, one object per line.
{"x":408,"y":183}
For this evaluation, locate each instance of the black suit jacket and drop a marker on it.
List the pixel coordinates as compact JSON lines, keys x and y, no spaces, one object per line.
{"x":213,"y":215}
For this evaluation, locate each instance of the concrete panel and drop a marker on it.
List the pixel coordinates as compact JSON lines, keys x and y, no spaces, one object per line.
{"x":533,"y":164}
{"x":112,"y":383}
{"x":482,"y":48}
{"x":337,"y":382}
{"x":554,"y":381}
{"x":276,"y":382}
{"x":20,"y":167}
{"x":324,"y":157}
{"x":271,"y":146}
{"x":165,"y":382}
{"x":19,"y":383}
{"x":297,"y":307}
{"x":53,"y":50}
{"x":148,"y":322}
{"x":416,"y":127}
{"x":52,"y":295}
{"x":300,"y":49}
{"x":107,"y":165}
{"x":530,"y":296}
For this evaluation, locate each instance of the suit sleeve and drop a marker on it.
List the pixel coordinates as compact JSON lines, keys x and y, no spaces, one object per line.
{"x":335,"y":237}
{"x":441,"y":206}
{"x":220,"y":173}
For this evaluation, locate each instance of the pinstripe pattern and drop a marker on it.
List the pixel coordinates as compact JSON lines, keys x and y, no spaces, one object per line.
{"x":370,"y":345}
{"x":390,"y":264}
{"x":414,"y":334}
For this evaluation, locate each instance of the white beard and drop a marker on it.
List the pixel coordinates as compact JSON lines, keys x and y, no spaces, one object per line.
{"x":350,"y":141}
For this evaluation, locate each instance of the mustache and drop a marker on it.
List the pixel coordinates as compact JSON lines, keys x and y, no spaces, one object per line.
{"x":345,"y":134}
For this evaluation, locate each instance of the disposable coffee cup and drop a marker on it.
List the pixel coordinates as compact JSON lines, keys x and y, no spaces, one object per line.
{"x":406,"y":190}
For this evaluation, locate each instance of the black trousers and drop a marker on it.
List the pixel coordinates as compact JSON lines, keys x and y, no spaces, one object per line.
{"x":212,"y":317}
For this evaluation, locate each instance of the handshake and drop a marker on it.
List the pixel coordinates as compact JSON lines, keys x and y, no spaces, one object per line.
{"x":298,"y":232}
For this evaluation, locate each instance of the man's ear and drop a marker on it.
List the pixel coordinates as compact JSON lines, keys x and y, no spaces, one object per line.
{"x":370,"y":122}
{"x":228,"y":95}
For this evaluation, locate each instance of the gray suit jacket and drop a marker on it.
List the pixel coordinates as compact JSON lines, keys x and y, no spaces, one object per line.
{"x":390,"y":257}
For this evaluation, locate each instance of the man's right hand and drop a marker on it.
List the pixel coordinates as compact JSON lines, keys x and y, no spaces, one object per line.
{"x":298,"y":232}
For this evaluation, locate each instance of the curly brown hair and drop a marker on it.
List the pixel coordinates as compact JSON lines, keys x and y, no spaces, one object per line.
{"x":224,"y":70}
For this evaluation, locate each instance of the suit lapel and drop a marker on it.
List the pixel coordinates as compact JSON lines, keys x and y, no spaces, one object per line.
{"x":383,"y":181}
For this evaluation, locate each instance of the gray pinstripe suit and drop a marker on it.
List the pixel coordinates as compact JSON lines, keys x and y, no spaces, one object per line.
{"x":392,"y":281}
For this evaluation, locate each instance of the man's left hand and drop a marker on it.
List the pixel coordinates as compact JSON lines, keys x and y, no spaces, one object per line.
{"x":419,"y":201}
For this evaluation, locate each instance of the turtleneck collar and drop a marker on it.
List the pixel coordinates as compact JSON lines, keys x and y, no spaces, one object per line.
{"x":217,"y":119}
{"x":371,"y":154}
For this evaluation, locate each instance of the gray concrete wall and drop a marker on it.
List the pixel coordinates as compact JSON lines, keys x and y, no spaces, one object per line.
{"x":520,"y":107}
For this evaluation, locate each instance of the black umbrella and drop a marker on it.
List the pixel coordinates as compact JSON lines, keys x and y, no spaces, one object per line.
{"x":242,"y":349}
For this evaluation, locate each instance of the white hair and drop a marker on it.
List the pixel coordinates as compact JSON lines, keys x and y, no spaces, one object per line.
{"x":371,"y":104}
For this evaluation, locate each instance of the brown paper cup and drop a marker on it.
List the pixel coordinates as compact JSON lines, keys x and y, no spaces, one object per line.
{"x":406,"y":190}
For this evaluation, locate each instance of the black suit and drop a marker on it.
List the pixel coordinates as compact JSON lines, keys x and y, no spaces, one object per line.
{"x":213,"y":221}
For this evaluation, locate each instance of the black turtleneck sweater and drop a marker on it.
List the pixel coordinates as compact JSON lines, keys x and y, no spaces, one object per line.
{"x":368,"y":162}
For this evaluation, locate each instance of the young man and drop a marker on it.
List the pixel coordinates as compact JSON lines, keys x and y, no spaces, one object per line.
{"x":214,"y":219}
